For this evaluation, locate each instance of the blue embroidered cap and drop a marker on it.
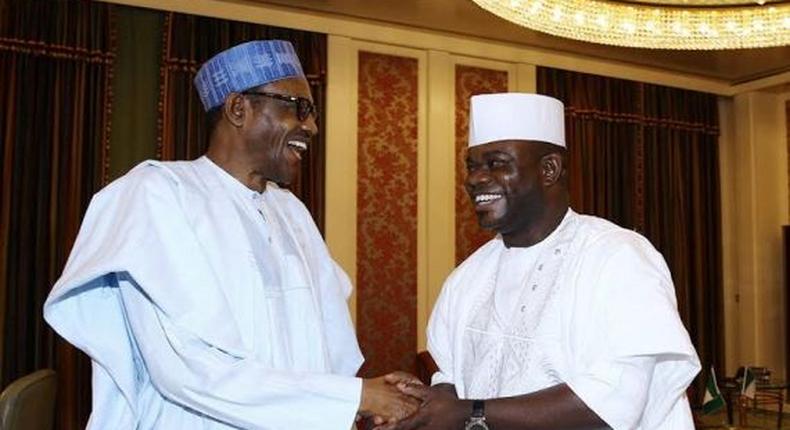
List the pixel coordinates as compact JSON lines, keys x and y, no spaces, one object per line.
{"x":243,"y":67}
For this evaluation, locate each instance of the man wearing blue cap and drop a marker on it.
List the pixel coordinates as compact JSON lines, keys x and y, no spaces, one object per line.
{"x":203,"y":292}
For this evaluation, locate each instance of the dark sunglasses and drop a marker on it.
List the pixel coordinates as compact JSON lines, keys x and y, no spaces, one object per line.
{"x":304,"y":107}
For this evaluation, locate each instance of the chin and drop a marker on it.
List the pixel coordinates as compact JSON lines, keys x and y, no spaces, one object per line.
{"x":488,"y":224}
{"x":283,"y":178}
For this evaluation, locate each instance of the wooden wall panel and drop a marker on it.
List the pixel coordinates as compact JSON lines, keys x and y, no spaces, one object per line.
{"x":387,"y":136}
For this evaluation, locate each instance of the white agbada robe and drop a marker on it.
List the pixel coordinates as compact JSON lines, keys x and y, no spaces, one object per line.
{"x":596,"y":311}
{"x":204,"y":304}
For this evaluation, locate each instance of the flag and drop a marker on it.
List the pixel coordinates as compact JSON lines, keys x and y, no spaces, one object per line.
{"x":713,"y":401}
{"x":749,"y":386}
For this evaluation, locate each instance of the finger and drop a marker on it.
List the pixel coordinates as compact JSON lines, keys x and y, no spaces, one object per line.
{"x":405,"y":410}
{"x":402,"y":377}
{"x":413,"y":422}
{"x":417,"y":391}
{"x":412,"y":404}
{"x":392,"y":424}
{"x":396,"y":425}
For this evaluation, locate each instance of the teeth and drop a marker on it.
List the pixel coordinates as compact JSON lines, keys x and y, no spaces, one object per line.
{"x":483,"y":198}
{"x":298,"y":144}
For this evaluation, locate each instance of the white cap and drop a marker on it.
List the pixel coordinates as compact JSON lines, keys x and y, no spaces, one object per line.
{"x":516,"y":116}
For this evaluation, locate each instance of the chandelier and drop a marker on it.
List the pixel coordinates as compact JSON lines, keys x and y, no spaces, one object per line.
{"x":657,"y":24}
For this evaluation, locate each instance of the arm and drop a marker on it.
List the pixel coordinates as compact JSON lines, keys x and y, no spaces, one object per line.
{"x":552,"y":408}
{"x":619,"y":393}
{"x":556,"y":407}
{"x":242,"y":391}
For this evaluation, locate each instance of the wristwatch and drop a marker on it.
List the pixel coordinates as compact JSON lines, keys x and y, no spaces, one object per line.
{"x":478,"y":419}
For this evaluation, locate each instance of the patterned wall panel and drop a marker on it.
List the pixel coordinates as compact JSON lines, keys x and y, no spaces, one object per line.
{"x":468,"y":82}
{"x":387,"y":212}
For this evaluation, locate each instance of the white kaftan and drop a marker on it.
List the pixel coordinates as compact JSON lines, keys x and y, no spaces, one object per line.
{"x":204,"y":304}
{"x":597,"y":311}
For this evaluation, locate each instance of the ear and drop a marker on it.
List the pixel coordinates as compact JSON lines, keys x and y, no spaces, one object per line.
{"x":235,"y":109}
{"x":551,"y":168}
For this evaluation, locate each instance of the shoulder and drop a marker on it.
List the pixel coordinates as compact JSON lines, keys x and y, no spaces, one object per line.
{"x":603,"y":238}
{"x":471,"y":265}
{"x":619,"y":262}
{"x":152,"y":175}
{"x":149,"y":183}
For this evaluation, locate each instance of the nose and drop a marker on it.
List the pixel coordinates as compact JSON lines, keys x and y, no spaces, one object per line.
{"x":479,"y":177}
{"x":309,"y":125}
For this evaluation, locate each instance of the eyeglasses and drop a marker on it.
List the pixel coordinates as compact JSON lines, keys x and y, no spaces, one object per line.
{"x":304,"y":107}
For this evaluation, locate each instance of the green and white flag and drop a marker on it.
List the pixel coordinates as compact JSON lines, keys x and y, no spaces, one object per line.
{"x":749,"y":386}
{"x":713,"y":401}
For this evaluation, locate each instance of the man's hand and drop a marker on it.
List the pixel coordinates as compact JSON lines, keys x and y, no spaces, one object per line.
{"x":404,"y":378}
{"x":440,"y":409}
{"x":382,"y":400}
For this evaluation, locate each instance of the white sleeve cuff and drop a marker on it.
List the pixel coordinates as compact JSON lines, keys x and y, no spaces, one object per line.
{"x":616,"y":390}
{"x":441,"y":378}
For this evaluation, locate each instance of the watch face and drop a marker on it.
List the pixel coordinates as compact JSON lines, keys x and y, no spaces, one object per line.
{"x":476,"y":424}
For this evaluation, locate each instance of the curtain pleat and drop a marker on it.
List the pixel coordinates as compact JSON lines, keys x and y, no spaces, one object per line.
{"x":56,"y":62}
{"x":646,"y":157}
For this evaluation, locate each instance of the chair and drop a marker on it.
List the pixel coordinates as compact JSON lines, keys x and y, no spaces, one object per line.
{"x":766,"y":394}
{"x":29,"y":402}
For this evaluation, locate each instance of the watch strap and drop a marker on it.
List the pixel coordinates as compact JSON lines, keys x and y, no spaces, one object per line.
{"x":478,"y":408}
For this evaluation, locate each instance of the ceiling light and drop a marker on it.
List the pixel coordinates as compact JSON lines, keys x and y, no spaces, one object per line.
{"x":657,"y":24}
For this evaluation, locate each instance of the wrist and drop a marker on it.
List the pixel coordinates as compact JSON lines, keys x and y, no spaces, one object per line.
{"x":463,"y":410}
{"x":477,"y":417}
{"x":364,"y":396}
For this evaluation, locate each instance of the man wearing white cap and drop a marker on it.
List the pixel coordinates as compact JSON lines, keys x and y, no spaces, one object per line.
{"x":203,"y":292}
{"x":563,"y":321}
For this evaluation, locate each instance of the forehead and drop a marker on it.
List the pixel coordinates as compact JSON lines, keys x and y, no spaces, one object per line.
{"x":297,"y":87}
{"x":513,"y":148}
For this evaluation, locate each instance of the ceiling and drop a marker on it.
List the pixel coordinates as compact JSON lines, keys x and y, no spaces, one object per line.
{"x":465,"y":18}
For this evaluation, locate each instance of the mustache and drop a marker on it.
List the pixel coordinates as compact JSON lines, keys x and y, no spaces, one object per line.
{"x":473,"y":190}
{"x":301,"y":135}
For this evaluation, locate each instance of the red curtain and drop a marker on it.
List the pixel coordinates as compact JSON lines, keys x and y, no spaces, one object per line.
{"x":189,"y":41}
{"x":56,"y":62}
{"x":646,"y":157}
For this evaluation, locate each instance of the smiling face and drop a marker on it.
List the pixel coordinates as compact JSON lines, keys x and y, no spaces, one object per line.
{"x":506,"y":181}
{"x":274,"y":137}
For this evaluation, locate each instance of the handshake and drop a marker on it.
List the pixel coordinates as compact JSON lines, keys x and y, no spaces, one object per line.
{"x":399,"y":401}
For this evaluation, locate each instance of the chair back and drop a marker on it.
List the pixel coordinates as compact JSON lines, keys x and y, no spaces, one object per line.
{"x":29,"y":402}
{"x":761,"y":374}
